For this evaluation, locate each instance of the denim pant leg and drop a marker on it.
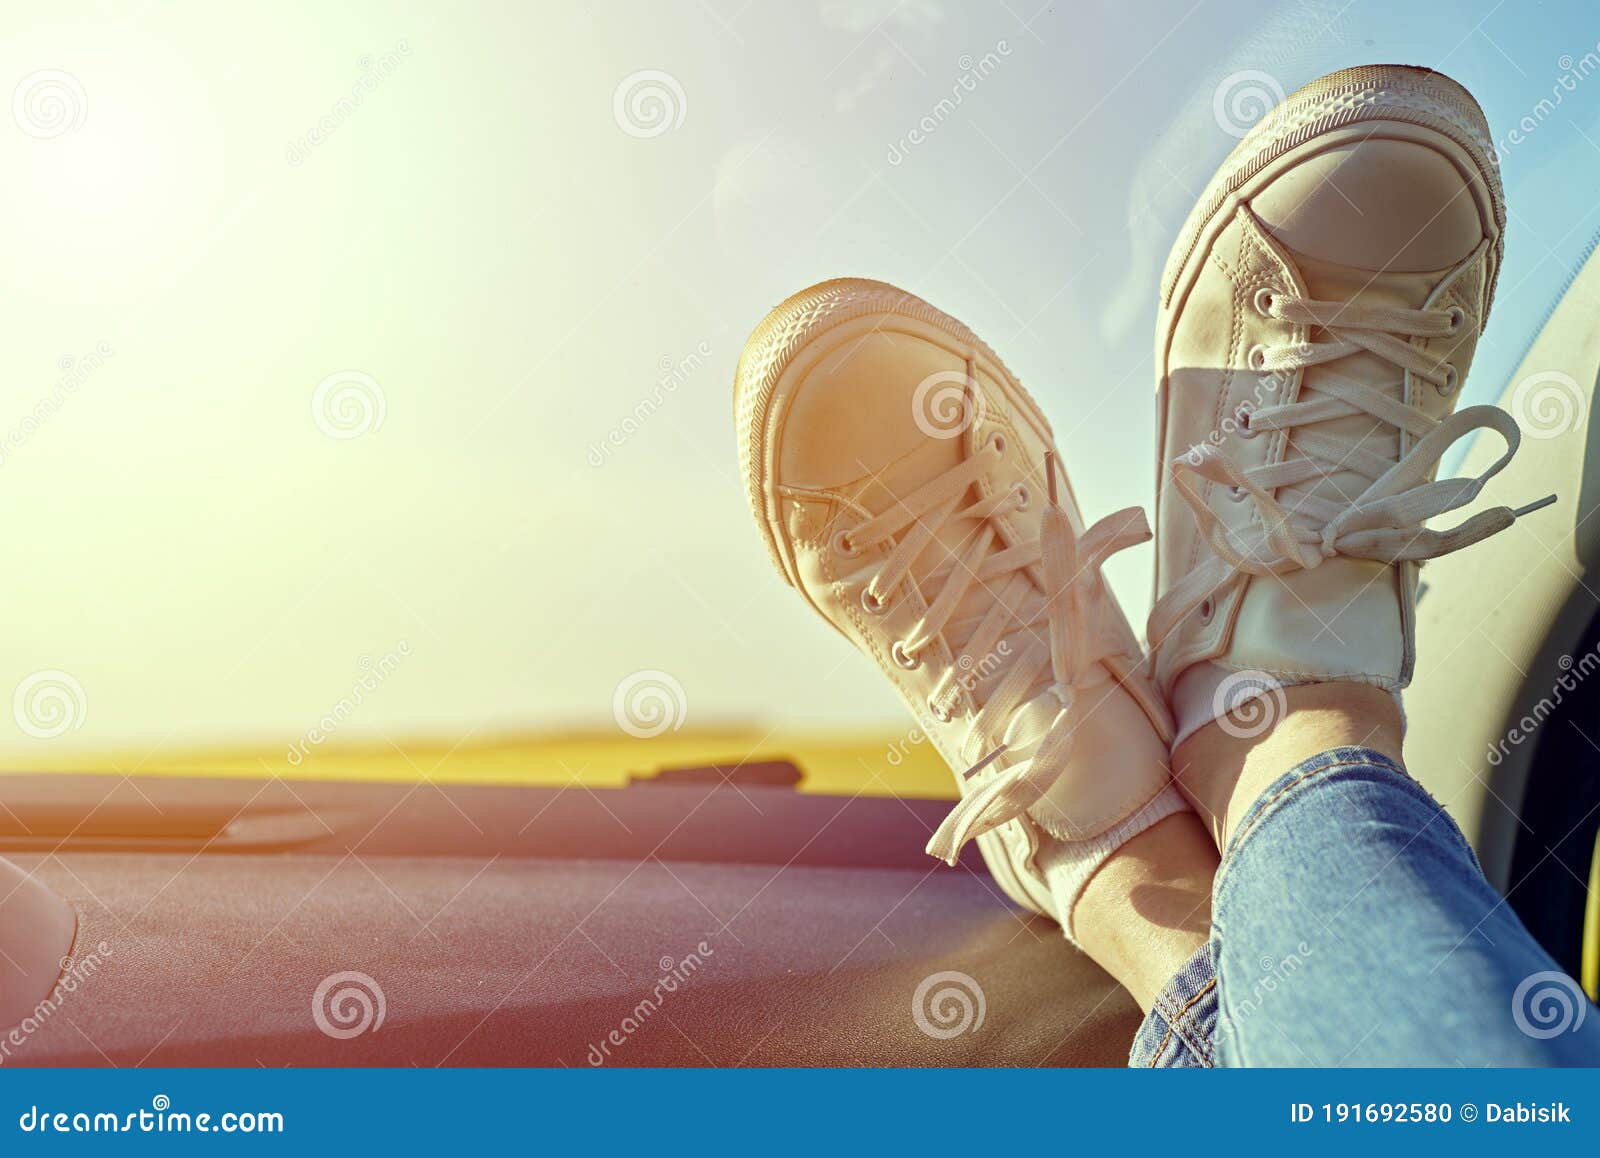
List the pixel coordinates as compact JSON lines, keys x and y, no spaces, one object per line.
{"x":1353,"y":926}
{"x":1178,"y":1030}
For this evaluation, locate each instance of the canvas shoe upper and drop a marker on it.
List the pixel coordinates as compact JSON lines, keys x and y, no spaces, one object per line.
{"x":1318,"y":315}
{"x":905,"y":484}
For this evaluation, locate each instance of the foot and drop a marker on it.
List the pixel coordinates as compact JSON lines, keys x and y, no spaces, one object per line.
{"x":907,"y":486}
{"x":1318,"y":316}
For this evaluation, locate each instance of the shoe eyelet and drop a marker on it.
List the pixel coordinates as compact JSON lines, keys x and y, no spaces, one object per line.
{"x":1452,"y":379}
{"x":1236,"y":494}
{"x":998,"y":442}
{"x":904,"y":658}
{"x":871,"y":603}
{"x":1245,"y":430}
{"x":1458,"y":317}
{"x":843,"y":545}
{"x":940,"y":713}
{"x":1024,"y":498}
{"x":1207,"y":609}
{"x":1264,"y":299}
{"x":1257,"y":358}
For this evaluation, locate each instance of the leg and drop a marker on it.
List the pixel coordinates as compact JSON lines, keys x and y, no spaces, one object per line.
{"x":1145,"y":917}
{"x":1148,"y":908}
{"x":1352,"y":923}
{"x":1223,"y":771}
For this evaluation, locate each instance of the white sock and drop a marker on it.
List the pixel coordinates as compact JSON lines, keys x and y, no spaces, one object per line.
{"x":1208,"y":691}
{"x":1067,"y":865}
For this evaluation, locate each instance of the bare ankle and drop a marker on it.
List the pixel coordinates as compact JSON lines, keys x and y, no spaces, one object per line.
{"x":1224,"y":768}
{"x":1148,"y":908}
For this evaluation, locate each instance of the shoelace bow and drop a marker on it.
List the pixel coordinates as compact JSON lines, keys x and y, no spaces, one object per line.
{"x":1072,"y":609}
{"x":1385,"y":522}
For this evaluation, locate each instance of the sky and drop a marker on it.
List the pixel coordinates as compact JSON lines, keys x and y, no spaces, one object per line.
{"x":325,"y":322}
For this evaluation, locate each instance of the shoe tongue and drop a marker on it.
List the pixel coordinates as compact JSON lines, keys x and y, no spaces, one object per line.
{"x":1330,"y":282}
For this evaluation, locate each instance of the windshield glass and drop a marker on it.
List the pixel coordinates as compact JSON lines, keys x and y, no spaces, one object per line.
{"x":366,"y":391}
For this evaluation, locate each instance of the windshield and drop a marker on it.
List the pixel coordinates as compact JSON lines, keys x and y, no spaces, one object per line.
{"x":368,"y":390}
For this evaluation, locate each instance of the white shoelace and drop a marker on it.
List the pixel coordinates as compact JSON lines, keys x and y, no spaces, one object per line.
{"x":1054,"y":581}
{"x":1385,"y":522}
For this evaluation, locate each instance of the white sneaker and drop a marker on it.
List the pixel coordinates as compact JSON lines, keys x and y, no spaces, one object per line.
{"x":900,"y":477}
{"x":1318,"y":315}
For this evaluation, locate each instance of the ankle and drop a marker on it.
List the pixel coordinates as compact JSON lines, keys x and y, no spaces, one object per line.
{"x":1148,"y":907}
{"x":1223,"y":769}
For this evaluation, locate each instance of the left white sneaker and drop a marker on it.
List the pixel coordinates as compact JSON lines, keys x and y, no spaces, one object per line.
{"x":904,"y":483}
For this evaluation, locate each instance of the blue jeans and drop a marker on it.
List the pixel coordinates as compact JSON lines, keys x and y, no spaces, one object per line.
{"x":1351,"y":925}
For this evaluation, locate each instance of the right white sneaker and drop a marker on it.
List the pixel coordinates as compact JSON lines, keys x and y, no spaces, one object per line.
{"x":1318,"y":315}
{"x":904,"y":484}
